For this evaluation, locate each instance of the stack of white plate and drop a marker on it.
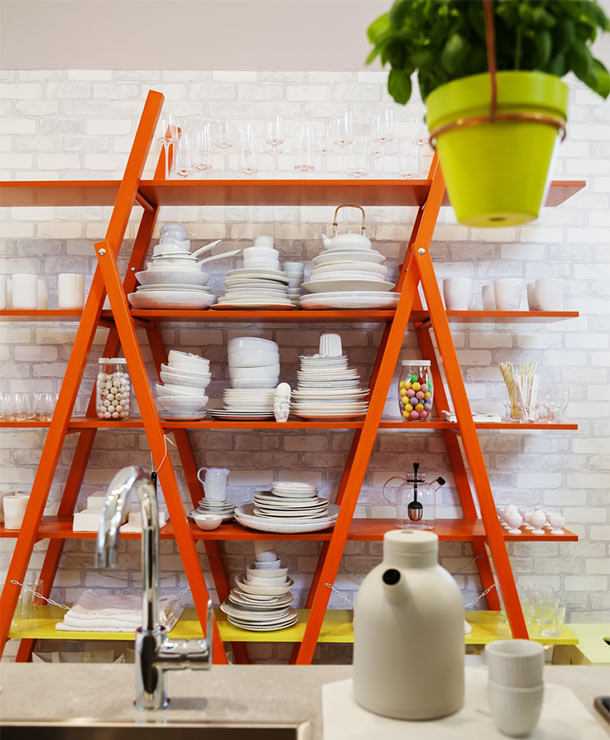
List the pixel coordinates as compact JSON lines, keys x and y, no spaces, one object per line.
{"x":346,"y":277}
{"x":181,"y":395}
{"x":328,"y":389}
{"x":224,"y":508}
{"x":246,"y":404}
{"x":255,"y":288}
{"x":261,"y":599}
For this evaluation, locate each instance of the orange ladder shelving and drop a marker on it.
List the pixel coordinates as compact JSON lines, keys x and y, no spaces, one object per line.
{"x":417,"y":270}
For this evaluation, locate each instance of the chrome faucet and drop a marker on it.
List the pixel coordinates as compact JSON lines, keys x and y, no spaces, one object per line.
{"x":155,"y":652}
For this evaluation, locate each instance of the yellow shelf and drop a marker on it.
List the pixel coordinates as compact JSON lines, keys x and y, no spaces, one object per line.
{"x":487,"y":626}
{"x":592,"y":643}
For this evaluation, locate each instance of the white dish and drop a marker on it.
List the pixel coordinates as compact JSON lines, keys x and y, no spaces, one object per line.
{"x":234,"y":416}
{"x":190,"y":374}
{"x":267,"y":572}
{"x":177,"y":357}
{"x":371,"y":299}
{"x":172,"y":299}
{"x":206,"y":521}
{"x":173,"y":287}
{"x":325,"y":416}
{"x":349,"y":286}
{"x":254,"y":358}
{"x":263,"y":590}
{"x":262,"y":525}
{"x":178,"y":391}
{"x":254,"y":384}
{"x":246,"y":511}
{"x":357,"y":255}
{"x":175,"y":379}
{"x":184,"y":277}
{"x":174,"y":405}
{"x":351,"y":266}
{"x":277,"y":275}
{"x":260,"y":371}
{"x":256,"y":616}
{"x":290,"y":622}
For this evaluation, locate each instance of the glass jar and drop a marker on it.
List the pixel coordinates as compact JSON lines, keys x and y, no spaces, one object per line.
{"x":415,"y":390}
{"x":113,"y":389}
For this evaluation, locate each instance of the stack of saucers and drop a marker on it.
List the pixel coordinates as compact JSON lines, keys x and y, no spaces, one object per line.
{"x":327,"y":387}
{"x":181,"y":395}
{"x":260,"y":601}
{"x":222,"y":508}
{"x":294,"y":272}
{"x":289,"y":507}
{"x":260,"y":283}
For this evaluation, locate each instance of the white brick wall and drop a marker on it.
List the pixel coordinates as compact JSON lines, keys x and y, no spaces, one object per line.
{"x":79,"y":124}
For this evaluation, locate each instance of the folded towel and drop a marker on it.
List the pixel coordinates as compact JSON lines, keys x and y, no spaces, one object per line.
{"x":98,"y":612}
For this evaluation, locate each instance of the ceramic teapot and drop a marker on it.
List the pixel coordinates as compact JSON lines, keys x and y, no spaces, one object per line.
{"x":409,"y":632}
{"x":347,"y":240}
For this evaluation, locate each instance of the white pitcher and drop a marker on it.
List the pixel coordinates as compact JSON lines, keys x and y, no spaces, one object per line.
{"x":409,"y":632}
{"x":215,"y":483}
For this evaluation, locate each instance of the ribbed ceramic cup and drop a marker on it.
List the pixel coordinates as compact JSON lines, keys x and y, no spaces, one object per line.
{"x":458,"y":293}
{"x":515,"y":711}
{"x":507,"y":292}
{"x":516,"y":663}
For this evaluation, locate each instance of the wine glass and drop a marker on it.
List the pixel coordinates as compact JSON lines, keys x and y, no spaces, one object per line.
{"x":275,"y":137}
{"x":183,"y":159}
{"x":343,"y":130}
{"x":304,"y":161}
{"x":168,"y":135}
{"x":248,"y":164}
{"x":410,"y":159}
{"x":323,"y":144}
{"x":357,"y":159}
{"x":223,"y":138}
{"x":202,"y":150}
{"x":382,"y":132}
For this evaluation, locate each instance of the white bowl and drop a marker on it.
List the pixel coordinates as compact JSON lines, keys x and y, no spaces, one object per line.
{"x":179,"y":228}
{"x":256,"y":251}
{"x":177,"y":357}
{"x":260,"y":372}
{"x":270,"y":581}
{"x":170,"y":390}
{"x":172,"y":277}
{"x":253,"y":358}
{"x":173,"y":379}
{"x":255,"y":384}
{"x":187,"y":374}
{"x":266,"y":573}
{"x":189,"y":367}
{"x":188,"y":405}
{"x":206,"y":521}
{"x":250,"y":343}
{"x":268,"y":564}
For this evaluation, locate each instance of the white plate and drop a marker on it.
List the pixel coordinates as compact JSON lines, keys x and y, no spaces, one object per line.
{"x":370,"y":299}
{"x":349,"y":286}
{"x":181,"y":277}
{"x":294,"y":485}
{"x":290,"y":622}
{"x":171,"y":299}
{"x":344,"y":274}
{"x":179,"y":287}
{"x":263,"y":590}
{"x":262,"y":525}
{"x":246,"y":511}
{"x":322,"y":416}
{"x":329,"y":394}
{"x":240,"y":597}
{"x":351,"y":266}
{"x":360,"y":255}
{"x":266,"y":572}
{"x":233,"y":416}
{"x":276,"y":275}
{"x":242,"y":612}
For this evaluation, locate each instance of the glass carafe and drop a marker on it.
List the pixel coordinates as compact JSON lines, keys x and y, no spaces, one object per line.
{"x":413,"y":498}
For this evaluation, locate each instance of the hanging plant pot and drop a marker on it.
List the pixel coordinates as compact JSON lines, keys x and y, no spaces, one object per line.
{"x":497,"y":171}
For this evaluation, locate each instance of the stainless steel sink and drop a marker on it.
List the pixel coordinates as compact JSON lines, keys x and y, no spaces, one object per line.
{"x":146,"y":730}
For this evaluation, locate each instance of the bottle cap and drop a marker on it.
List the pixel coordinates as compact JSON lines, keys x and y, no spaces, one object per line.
{"x":112,"y":361}
{"x":421,"y":363}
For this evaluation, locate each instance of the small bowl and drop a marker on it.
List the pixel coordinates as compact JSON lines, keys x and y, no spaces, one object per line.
{"x":187,"y":406}
{"x":261,"y":372}
{"x":257,"y":581}
{"x":177,"y":357}
{"x":279,"y":573}
{"x":261,"y":252}
{"x":250,"y":343}
{"x":178,"y":391}
{"x":253,"y":358}
{"x":268,"y":564}
{"x":255,"y":384}
{"x":187,"y":374}
{"x":206,"y":521}
{"x":188,"y":382}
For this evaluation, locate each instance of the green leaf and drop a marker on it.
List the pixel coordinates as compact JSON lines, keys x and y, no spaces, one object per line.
{"x":558,"y":65}
{"x":542,"y":19}
{"x":378,"y":27}
{"x":455,"y":54}
{"x":598,"y":79}
{"x":396,"y":54}
{"x":580,"y":59}
{"x":593,"y":12}
{"x":564,"y":36}
{"x":399,"y":85}
{"x":399,"y":12}
{"x":543,"y":47}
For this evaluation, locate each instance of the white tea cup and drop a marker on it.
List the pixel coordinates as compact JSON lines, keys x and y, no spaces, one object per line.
{"x":532,"y":301}
{"x":549,"y":294}
{"x":507,"y":292}
{"x":458,"y":293}
{"x":70,"y":291}
{"x":14,"y":506}
{"x":515,"y":711}
{"x":517,"y":663}
{"x":25,"y":291}
{"x":487,"y":298}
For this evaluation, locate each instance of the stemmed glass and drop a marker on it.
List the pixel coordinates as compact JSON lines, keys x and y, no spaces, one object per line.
{"x":358,"y":158}
{"x":167,"y":137}
{"x":275,"y":137}
{"x":304,"y":161}
{"x":382,"y":132}
{"x":343,"y":134}
{"x":223,"y":138}
{"x":202,"y":151}
{"x":323,"y":141}
{"x":248,"y":164}
{"x":409,"y":160}
{"x":183,"y":159}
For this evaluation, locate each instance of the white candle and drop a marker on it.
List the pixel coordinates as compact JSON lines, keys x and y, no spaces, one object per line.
{"x":70,"y":291}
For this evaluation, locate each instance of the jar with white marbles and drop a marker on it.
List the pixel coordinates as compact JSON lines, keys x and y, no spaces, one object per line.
{"x":113,"y":390}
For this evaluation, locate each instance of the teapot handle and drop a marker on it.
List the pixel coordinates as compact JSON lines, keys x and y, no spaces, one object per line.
{"x":348,"y":205}
{"x":385,"y":495}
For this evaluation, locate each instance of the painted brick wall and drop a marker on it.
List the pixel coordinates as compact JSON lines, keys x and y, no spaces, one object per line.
{"x":80,"y":124}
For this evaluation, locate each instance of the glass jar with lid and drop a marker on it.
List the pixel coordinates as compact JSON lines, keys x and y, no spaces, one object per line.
{"x":113,"y":389}
{"x":415,"y":390}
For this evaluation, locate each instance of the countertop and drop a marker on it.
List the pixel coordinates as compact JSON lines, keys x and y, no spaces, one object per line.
{"x":258,"y":694}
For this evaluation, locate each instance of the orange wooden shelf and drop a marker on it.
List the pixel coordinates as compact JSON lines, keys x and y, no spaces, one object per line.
{"x":242,"y":192}
{"x":370,"y":530}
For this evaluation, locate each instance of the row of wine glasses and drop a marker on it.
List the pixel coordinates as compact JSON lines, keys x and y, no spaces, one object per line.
{"x":199,"y":147}
{"x":27,"y":406}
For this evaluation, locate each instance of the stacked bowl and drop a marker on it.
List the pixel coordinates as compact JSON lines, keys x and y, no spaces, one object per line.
{"x":260,"y":283}
{"x":254,"y":370}
{"x":349,"y":276}
{"x":261,"y":599}
{"x":181,"y":395}
{"x":173,"y":278}
{"x":294,"y":272}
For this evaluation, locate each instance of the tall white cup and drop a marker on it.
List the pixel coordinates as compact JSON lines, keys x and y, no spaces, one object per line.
{"x":458,"y":293}
{"x":549,"y":294}
{"x":14,"y":507}
{"x":487,"y":298}
{"x":532,"y":301}
{"x":3,"y":293}
{"x":508,"y":293}
{"x":25,"y":291}
{"x":43,"y":294}
{"x":70,"y":291}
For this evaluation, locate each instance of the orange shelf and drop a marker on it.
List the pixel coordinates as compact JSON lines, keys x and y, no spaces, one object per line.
{"x":370,"y":530}
{"x":242,"y":192}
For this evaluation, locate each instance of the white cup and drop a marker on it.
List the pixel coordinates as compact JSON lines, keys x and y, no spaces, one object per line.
{"x":517,"y":663}
{"x":263,"y":241}
{"x":507,"y":292}
{"x":70,"y":290}
{"x":515,"y":711}
{"x":532,"y":301}
{"x":487,"y":298}
{"x":14,"y":507}
{"x":458,"y":293}
{"x":549,"y":294}
{"x":43,"y":294}
{"x":215,"y":483}
{"x":25,"y":291}
{"x":3,"y":293}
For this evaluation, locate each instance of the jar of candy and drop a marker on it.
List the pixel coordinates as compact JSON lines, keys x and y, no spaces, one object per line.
{"x":113,"y":390}
{"x":415,"y":390}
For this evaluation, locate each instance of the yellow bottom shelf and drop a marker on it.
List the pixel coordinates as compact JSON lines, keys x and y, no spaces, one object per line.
{"x":337,"y":628}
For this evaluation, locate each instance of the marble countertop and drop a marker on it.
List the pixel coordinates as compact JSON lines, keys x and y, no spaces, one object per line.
{"x":258,"y":694}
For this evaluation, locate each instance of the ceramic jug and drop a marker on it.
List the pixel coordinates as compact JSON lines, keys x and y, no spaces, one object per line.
{"x":215,"y":483}
{"x":409,"y":632}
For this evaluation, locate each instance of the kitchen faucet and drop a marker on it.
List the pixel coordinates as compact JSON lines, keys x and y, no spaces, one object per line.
{"x":155,"y":652}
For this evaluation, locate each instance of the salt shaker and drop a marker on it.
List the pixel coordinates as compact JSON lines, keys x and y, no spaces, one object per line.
{"x":113,"y":391}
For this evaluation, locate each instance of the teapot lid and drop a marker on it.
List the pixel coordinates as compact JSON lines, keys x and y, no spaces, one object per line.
{"x":410,"y":542}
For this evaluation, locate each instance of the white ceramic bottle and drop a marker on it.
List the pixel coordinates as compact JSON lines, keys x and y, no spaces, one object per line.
{"x":409,"y":632}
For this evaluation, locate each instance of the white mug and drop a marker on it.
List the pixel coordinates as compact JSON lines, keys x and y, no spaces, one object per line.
{"x":532,"y":301}
{"x":507,"y":292}
{"x":215,"y":483}
{"x":549,"y":294}
{"x":43,"y":294}
{"x":458,"y":293}
{"x":70,"y":291}
{"x":14,"y":507}
{"x":487,"y":298}
{"x":25,"y":291}
{"x":3,"y":293}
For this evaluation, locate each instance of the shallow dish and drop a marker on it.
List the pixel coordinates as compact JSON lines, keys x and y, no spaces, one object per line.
{"x":178,"y":391}
{"x":351,"y":286}
{"x":249,"y":343}
{"x":357,"y":255}
{"x":184,"y":277}
{"x":263,"y":590}
{"x":255,"y":384}
{"x":177,"y":379}
{"x":370,"y":299}
{"x":187,"y":374}
{"x":175,"y":405}
{"x":254,"y":358}
{"x":206,"y":521}
{"x":172,"y":299}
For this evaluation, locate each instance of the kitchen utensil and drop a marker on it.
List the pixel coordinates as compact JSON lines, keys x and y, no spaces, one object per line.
{"x":330,"y":345}
{"x":415,"y":510}
{"x":507,"y":292}
{"x":515,"y":711}
{"x":25,"y":292}
{"x":207,"y":248}
{"x":224,"y":255}
{"x":487,"y":298}
{"x":549,"y":294}
{"x":14,"y":507}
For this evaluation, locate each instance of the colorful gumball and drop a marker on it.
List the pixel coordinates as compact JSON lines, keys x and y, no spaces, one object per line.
{"x":419,"y":395}
{"x":414,"y":415}
{"x":405,"y":414}
{"x":410,"y":393}
{"x":427,"y":394}
{"x":419,"y":407}
{"x":416,"y":386}
{"x":413,"y":377}
{"x":408,"y":407}
{"x":423,"y":414}
{"x":424,"y":387}
{"x":427,"y":406}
